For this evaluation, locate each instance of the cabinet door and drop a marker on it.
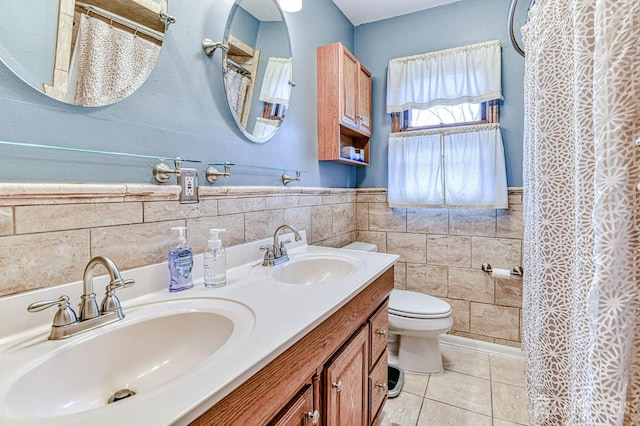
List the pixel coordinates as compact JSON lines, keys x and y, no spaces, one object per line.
{"x":349,"y":77}
{"x":378,"y":330}
{"x":346,"y":383}
{"x":300,"y":412}
{"x":364,"y":100}
{"x":377,"y":388}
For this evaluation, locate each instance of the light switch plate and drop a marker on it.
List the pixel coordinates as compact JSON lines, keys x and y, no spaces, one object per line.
{"x":188,"y":181}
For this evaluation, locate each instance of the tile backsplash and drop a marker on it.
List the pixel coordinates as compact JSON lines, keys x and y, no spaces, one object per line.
{"x":48,"y":233}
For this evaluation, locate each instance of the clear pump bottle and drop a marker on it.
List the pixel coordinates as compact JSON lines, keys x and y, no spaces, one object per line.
{"x":180,"y":263}
{"x":215,"y":261}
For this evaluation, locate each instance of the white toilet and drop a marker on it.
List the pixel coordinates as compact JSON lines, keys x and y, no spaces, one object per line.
{"x":415,"y":322}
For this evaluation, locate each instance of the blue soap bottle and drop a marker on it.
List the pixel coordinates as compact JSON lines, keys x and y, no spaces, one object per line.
{"x":180,"y":263}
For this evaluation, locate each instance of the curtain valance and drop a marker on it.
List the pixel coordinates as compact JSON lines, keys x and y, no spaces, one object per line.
{"x":447,"y":77}
{"x":275,"y":85}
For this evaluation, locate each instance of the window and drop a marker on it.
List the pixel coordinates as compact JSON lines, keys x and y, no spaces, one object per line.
{"x":445,"y":149}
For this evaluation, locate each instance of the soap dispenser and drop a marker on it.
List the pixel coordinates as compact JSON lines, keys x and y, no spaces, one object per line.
{"x":215,"y":261}
{"x":180,"y":263}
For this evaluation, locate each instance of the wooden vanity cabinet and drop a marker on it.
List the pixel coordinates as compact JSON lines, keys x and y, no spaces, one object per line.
{"x":344,"y":105}
{"x":290,"y":389}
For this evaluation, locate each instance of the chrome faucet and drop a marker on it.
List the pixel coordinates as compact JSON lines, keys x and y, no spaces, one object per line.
{"x":66,"y":323}
{"x":277,"y":253}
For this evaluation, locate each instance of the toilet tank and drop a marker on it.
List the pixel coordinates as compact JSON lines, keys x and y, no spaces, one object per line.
{"x":360,"y":246}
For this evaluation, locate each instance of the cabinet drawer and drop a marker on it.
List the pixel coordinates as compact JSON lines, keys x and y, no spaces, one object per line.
{"x":378,"y":327}
{"x":377,"y":387}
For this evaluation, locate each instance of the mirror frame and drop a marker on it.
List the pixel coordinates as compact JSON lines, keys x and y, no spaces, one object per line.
{"x":225,"y":57}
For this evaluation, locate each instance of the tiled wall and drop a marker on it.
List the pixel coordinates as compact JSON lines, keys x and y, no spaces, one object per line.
{"x":442,"y":252}
{"x":48,"y":233}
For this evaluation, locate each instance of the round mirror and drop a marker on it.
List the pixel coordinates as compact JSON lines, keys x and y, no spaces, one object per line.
{"x":91,"y":53}
{"x":257,"y":67}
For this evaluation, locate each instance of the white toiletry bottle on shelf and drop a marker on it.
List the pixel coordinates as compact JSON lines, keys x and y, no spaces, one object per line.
{"x":180,"y":263}
{"x":215,"y":261}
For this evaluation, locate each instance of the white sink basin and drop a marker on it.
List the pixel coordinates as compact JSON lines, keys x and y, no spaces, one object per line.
{"x":313,"y":268}
{"x":153,"y":345}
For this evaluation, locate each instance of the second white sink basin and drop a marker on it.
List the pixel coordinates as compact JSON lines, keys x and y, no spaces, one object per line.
{"x":314,"y":268}
{"x":154,"y":344}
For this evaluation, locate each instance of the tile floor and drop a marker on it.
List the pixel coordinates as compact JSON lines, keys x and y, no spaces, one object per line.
{"x":476,"y":389}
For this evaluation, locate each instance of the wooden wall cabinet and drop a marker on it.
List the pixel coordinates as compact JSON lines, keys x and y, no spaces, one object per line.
{"x":334,"y":375}
{"x":344,"y":105}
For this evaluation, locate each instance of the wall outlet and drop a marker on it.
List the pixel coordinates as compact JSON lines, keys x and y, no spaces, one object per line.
{"x":188,"y":181}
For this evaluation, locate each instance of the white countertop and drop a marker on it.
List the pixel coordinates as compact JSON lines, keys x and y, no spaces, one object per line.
{"x":283,"y":313}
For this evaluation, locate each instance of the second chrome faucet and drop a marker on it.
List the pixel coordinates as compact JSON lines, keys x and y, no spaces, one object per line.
{"x":66,"y":323}
{"x":277,"y":253}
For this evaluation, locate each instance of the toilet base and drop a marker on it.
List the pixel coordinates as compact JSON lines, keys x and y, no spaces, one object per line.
{"x":420,"y":354}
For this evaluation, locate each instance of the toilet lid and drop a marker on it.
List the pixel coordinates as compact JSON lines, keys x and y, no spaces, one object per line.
{"x":417,"y":305}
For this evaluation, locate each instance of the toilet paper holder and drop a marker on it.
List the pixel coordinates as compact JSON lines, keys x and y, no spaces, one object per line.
{"x":517,"y":270}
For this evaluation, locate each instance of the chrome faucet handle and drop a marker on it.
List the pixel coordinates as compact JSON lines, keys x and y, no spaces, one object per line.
{"x":111,"y":303}
{"x":283,"y":249}
{"x":269,"y":256}
{"x":65,"y":314}
{"x":119,"y":283}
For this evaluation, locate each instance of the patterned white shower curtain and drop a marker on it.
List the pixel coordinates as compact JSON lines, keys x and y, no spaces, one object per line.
{"x":111,"y":63}
{"x":581,"y":253}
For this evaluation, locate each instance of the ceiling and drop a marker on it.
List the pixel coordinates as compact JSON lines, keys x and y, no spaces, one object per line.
{"x":363,"y":11}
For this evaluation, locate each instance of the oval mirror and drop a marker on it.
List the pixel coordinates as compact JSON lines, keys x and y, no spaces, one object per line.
{"x":257,"y":67}
{"x":89,"y":53}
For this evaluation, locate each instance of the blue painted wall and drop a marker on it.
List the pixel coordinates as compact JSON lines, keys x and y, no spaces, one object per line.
{"x":453,"y":25}
{"x":179,"y":111}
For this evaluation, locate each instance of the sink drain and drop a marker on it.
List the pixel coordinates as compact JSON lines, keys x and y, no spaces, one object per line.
{"x":120,"y":395}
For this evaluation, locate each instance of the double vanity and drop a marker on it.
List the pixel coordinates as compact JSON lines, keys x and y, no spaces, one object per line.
{"x":302,"y":342}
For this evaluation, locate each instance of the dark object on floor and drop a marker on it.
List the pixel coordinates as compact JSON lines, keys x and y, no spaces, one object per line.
{"x":395,"y":381}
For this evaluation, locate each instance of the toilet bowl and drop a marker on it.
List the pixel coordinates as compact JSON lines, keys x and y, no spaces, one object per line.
{"x":416,"y":320}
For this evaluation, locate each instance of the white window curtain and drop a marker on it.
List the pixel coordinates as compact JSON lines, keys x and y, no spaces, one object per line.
{"x":109,"y":64}
{"x":448,"y":77}
{"x":458,"y":167}
{"x":265,"y":127}
{"x":275,"y":85}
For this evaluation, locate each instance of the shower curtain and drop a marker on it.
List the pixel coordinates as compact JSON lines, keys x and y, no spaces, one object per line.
{"x":108,"y":64}
{"x":581,"y":296}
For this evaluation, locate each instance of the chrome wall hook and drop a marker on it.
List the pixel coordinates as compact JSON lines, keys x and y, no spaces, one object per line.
{"x":209,"y":46}
{"x":213,"y":174}
{"x":286,"y":178}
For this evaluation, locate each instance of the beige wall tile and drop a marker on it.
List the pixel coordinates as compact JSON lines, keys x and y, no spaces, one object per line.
{"x":449,"y":250}
{"x":30,"y":219}
{"x":510,"y":222}
{"x":281,"y":202}
{"x":400,"y":276}
{"x":362,"y":216}
{"x":170,"y":210}
{"x":342,"y":215}
{"x":377,"y":238}
{"x":460,"y":310}
{"x":509,"y":292}
{"x":262,"y":224}
{"x":241,"y":205}
{"x":339,"y":240}
{"x":471,"y":284}
{"x":337,"y":199}
{"x":300,"y":217}
{"x":42,"y":260}
{"x":495,"y":321}
{"x":309,"y":200}
{"x":498,"y":252}
{"x":428,"y":221}
{"x":198,"y":231}
{"x":411,"y":247}
{"x":321,"y":223}
{"x":427,"y":279}
{"x":352,"y":219}
{"x":475,"y":222}
{"x":515,"y":199}
{"x":371,"y":198}
{"x":130,"y":246}
{"x":6,"y":221}
{"x":383,"y":218}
